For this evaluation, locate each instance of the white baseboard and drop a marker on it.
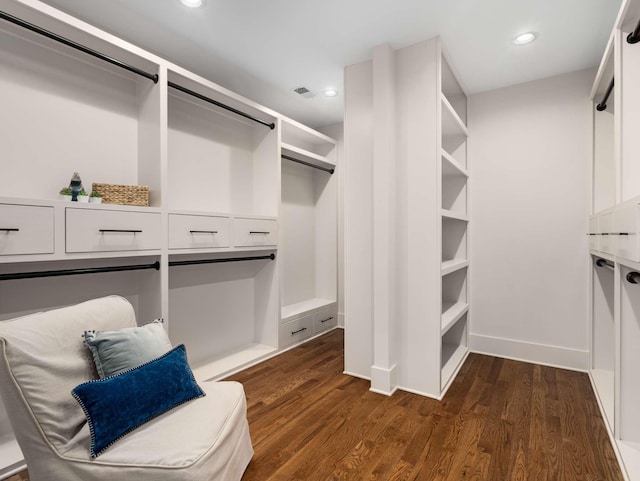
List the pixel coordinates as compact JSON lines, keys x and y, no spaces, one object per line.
{"x":554,"y":356}
{"x":384,"y":380}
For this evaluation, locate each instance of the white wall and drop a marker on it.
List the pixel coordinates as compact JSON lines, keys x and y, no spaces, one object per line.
{"x":528,"y":151}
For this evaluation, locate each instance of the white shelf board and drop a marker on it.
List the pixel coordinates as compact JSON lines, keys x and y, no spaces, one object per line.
{"x":450,"y":166}
{"x":303,"y":307}
{"x":630,"y":453}
{"x":452,"y":124}
{"x":603,"y":381}
{"x":11,"y":458}
{"x":453,"y":265}
{"x":451,"y":313}
{"x":454,"y":355}
{"x":306,"y":156}
{"x":449,"y":214}
{"x":232,"y":361}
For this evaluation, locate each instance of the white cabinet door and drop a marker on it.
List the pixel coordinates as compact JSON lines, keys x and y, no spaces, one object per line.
{"x":90,"y":230}
{"x":26,"y":229}
{"x":255,"y":232}
{"x":296,"y":330}
{"x":198,"y":231}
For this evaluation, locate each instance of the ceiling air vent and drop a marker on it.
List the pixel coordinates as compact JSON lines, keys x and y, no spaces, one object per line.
{"x":305,"y":92}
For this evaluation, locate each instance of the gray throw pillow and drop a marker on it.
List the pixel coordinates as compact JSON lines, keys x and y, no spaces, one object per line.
{"x":117,"y":351}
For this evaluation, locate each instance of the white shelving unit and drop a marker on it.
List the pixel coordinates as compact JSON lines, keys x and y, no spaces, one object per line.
{"x":212,"y":162}
{"x":454,"y":203}
{"x":308,"y":238}
{"x":614,"y":230}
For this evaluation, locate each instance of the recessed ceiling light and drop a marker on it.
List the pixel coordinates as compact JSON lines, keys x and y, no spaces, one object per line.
{"x":525,"y":38}
{"x":192,"y":3}
{"x":330,"y":93}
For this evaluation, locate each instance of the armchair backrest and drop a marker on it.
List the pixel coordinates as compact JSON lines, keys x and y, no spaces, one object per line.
{"x":42,"y":358}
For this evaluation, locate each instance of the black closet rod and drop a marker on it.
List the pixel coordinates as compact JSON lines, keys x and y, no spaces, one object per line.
{"x":220,"y":104}
{"x":331,"y":171}
{"x":634,"y":37}
{"x":74,"y":272}
{"x":603,"y":104}
{"x":604,"y":263}
{"x":216,"y":261}
{"x":77,"y":46}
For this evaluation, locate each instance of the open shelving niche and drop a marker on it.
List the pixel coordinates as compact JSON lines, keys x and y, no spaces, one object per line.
{"x":222,"y":171}
{"x":308,"y":237}
{"x":454,"y":223}
{"x":65,"y":109}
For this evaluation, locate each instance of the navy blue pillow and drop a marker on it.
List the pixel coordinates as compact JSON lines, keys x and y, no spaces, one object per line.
{"x":118,"y":404}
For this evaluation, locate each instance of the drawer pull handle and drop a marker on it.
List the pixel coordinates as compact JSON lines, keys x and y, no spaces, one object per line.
{"x":293,"y":333}
{"x":203,"y":231}
{"x":130,"y":231}
{"x":327,"y":319}
{"x":9,"y":229}
{"x":259,"y":232}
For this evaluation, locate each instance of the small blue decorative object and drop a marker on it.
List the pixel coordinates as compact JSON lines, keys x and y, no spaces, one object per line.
{"x":76,"y":186}
{"x":116,"y":405}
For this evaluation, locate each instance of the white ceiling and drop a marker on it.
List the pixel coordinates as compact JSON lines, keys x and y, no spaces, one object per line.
{"x":263,"y":49}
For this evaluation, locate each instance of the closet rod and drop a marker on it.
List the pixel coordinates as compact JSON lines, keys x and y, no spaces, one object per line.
{"x":73,"y":272}
{"x":633,"y":277}
{"x":220,"y":104}
{"x":225,"y":259}
{"x":331,"y":171}
{"x":603,"y":104}
{"x":634,"y":37}
{"x":77,"y":46}
{"x":604,"y":263}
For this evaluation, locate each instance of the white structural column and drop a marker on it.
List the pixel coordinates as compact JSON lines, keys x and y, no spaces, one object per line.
{"x":384,"y":375}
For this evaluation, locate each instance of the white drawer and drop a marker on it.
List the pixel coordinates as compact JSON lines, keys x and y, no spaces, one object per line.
{"x":607,"y":241}
{"x":296,"y":331}
{"x":26,"y":229}
{"x":198,"y":231}
{"x":324,"y":320}
{"x":626,"y":222}
{"x":255,"y":232}
{"x":90,"y":230}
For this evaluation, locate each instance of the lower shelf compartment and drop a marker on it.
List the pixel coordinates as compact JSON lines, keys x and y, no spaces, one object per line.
{"x":603,"y":383}
{"x":630,"y":453}
{"x":11,"y":458}
{"x":232,"y":361}
{"x":452,"y":357}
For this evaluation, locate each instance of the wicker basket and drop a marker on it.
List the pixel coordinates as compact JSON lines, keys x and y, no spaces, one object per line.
{"x":123,"y":194}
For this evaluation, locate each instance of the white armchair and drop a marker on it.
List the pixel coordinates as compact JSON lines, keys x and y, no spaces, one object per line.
{"x":43,"y":358}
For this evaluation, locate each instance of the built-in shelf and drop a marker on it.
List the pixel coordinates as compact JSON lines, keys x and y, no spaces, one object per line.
{"x":603,"y":383}
{"x":452,"y":124}
{"x":306,"y":156}
{"x":11,"y":456}
{"x":451,"y":166}
{"x":308,"y":305}
{"x":453,"y":265}
{"x":232,"y":361}
{"x":452,"y":356}
{"x":447,"y":214}
{"x":451,"y":313}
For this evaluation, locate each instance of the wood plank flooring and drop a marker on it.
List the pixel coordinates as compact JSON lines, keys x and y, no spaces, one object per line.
{"x":500,"y":421}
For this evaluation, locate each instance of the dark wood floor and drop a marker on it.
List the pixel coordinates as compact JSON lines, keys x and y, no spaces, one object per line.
{"x":500,"y":421}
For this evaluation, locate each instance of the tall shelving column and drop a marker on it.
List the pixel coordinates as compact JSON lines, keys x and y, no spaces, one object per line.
{"x":454,"y":210}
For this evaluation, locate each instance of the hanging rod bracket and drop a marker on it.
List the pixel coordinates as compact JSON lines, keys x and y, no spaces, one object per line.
{"x":603,"y":263}
{"x":603,"y":103}
{"x":633,"y":277}
{"x":634,"y":37}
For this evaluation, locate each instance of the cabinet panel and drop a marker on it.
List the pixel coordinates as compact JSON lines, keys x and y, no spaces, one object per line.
{"x":295,"y":331}
{"x":255,"y":232}
{"x":324,"y":320}
{"x":112,"y":230}
{"x":198,"y":231}
{"x":607,"y":241}
{"x":626,"y":226}
{"x":26,"y":230}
